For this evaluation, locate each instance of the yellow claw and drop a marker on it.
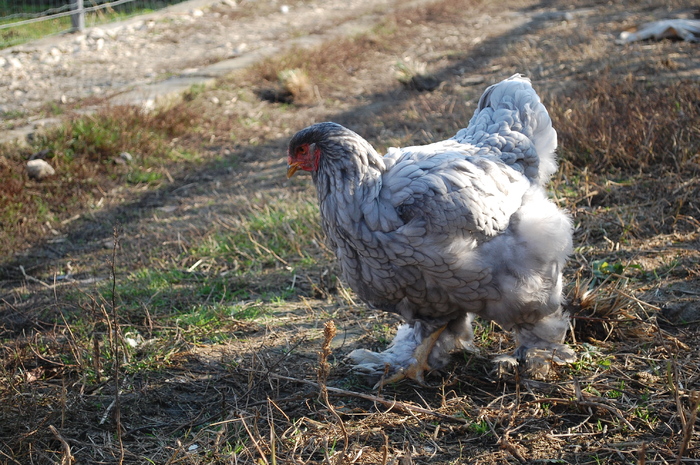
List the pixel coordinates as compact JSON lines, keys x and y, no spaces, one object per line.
{"x":292,"y":168}
{"x":417,"y":370}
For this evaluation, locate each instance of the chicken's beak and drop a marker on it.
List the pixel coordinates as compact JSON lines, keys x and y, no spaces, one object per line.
{"x":292,"y":168}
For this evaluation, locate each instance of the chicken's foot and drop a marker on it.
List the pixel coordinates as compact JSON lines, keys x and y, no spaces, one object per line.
{"x":416,"y":371}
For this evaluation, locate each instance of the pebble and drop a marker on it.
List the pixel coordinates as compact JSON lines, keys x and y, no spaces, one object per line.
{"x":39,"y":169}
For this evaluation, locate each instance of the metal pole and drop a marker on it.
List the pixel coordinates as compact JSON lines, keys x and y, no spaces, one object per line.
{"x":78,"y":17}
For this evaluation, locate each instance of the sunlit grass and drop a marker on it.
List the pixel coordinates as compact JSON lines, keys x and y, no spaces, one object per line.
{"x":279,"y":233}
{"x":17,"y":35}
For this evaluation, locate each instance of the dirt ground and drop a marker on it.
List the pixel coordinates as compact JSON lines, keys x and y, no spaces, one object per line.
{"x":256,"y":388}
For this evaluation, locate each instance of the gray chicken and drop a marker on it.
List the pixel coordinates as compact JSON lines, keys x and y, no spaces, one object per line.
{"x":442,"y":232}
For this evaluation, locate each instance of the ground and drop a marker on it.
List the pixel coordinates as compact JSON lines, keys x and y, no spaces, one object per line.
{"x":184,"y":309}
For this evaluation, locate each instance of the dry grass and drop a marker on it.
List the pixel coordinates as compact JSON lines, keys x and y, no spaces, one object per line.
{"x":208,"y":346}
{"x":627,"y":124}
{"x":85,"y":152}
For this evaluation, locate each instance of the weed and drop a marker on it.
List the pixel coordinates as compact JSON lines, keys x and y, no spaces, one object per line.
{"x":616,"y":393}
{"x":480,"y":427}
{"x":194,"y":91}
{"x":148,"y":176}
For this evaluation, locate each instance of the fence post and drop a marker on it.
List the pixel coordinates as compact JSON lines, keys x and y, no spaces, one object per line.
{"x":78,"y":17}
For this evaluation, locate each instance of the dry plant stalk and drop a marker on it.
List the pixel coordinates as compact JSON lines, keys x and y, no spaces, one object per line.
{"x":694,"y":397}
{"x":115,"y":346}
{"x":67,"y":458}
{"x":329,"y":332}
{"x":96,"y":357}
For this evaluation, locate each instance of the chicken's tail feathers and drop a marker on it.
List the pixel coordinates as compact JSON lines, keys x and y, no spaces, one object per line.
{"x":513,"y":108}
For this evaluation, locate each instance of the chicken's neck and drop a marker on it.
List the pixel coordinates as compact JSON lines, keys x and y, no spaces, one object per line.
{"x":348,"y":178}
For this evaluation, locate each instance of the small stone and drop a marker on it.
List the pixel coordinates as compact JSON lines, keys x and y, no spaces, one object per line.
{"x":96,"y":33}
{"x":472,"y":80}
{"x":126,"y":156}
{"x":39,"y":169}
{"x":14,"y":63}
{"x":197,"y":13}
{"x":284,"y":9}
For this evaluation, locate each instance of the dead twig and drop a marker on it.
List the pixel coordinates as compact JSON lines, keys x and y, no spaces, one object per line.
{"x":32,"y":278}
{"x":585,"y":403}
{"x":505,"y":444}
{"x":694,"y":398}
{"x":67,"y":458}
{"x":255,"y":442}
{"x":391,"y":404}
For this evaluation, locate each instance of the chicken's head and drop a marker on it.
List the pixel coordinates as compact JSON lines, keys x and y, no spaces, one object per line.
{"x":305,"y":156}
{"x":305,"y":148}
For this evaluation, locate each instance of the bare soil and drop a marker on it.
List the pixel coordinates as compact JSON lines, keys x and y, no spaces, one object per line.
{"x":257,"y":390}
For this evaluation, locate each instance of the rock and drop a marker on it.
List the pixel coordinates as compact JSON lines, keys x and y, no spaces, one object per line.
{"x":14,"y":63}
{"x":472,"y":80}
{"x":126,"y":157}
{"x":39,"y":169}
{"x":97,"y":33}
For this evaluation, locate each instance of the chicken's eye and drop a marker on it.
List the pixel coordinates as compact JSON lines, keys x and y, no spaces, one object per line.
{"x":300,"y":151}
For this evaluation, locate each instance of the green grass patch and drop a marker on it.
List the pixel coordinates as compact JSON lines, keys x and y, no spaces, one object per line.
{"x":278,"y":233}
{"x":16,"y":35}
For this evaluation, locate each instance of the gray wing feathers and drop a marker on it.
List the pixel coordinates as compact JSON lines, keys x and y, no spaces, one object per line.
{"x":511,"y":121}
{"x":452,"y":192}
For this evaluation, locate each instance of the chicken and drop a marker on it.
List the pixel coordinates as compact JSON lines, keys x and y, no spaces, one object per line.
{"x":442,"y":232}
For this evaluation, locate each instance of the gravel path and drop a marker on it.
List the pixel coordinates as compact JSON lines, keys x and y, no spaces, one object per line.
{"x":161,"y":52}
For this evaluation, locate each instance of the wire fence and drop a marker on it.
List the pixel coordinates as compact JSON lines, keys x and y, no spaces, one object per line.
{"x":22,"y":21}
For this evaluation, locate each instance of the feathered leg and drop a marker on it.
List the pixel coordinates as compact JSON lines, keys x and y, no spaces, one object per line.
{"x":417,"y":369}
{"x":547,"y":334}
{"x":539,"y":344}
{"x":415,"y":350}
